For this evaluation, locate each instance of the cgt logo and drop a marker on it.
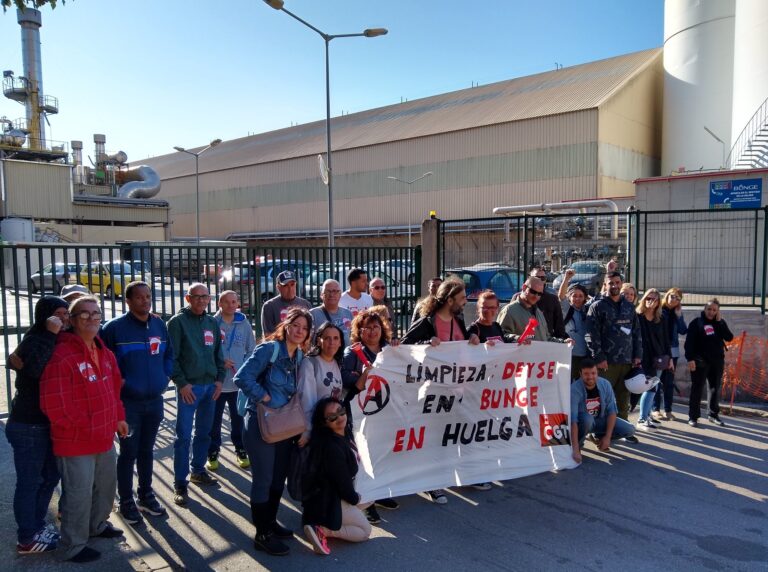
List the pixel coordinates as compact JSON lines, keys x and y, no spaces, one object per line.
{"x":375,"y":397}
{"x":553,"y":429}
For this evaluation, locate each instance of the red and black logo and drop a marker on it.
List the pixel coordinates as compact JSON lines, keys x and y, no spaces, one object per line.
{"x":375,"y":396}
{"x":553,"y":429}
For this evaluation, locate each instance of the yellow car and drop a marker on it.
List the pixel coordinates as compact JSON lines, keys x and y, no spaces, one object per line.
{"x":110,"y":278}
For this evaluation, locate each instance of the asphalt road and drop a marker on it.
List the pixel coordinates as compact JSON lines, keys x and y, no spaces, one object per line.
{"x":682,"y":499}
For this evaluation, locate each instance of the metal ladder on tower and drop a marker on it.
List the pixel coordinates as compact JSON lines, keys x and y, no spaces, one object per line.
{"x":750,"y":151}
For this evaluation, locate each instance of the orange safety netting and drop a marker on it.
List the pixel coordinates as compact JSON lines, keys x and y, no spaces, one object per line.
{"x":745,"y":367}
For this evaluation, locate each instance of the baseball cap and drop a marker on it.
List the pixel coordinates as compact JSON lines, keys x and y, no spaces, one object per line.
{"x":286,"y":276}
{"x":74,"y":291}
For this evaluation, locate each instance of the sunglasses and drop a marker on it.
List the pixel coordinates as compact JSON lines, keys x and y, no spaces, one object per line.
{"x":335,"y":416}
{"x":378,"y":287}
{"x":535,"y":292}
{"x":651,"y":299}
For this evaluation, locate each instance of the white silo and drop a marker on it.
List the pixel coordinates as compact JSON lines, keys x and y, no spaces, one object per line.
{"x":750,"y":67}
{"x":698,"y":83}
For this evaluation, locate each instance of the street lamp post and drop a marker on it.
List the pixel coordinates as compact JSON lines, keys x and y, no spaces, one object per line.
{"x":196,"y":155}
{"x":368,"y":33}
{"x":722,"y":144}
{"x":410,"y":210}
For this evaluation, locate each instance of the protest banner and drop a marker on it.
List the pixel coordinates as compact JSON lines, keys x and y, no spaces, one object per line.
{"x":433,"y":417}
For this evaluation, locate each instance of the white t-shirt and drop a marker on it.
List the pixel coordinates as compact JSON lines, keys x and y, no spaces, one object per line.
{"x":356,"y":306}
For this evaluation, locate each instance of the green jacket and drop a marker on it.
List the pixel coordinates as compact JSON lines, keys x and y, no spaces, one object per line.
{"x":514,"y":317}
{"x":197,"y":355}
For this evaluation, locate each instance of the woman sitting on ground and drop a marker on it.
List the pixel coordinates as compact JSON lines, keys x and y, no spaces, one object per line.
{"x":329,"y":498}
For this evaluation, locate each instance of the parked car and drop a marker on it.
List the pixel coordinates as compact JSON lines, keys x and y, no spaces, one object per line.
{"x":504,"y":280}
{"x":110,"y":278}
{"x":589,"y":273}
{"x":53,"y":277}
{"x":402,"y":270}
{"x":242,"y":277}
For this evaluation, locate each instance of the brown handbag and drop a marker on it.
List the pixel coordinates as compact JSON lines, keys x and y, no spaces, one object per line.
{"x":281,"y":423}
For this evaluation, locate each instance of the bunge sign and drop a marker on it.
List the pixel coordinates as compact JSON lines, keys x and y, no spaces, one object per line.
{"x":740,"y":194}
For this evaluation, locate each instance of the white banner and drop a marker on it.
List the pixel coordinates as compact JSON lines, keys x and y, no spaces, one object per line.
{"x":457,"y":414}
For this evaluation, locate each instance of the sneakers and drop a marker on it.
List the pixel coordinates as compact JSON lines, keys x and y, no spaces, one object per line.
{"x":87,"y":554}
{"x":42,"y":541}
{"x":203,"y":479}
{"x":151,"y":505}
{"x":387,"y":504}
{"x":652,"y":422}
{"x":110,"y":531}
{"x":317,"y":539}
{"x":130,"y":512}
{"x":716,"y":420}
{"x":693,"y":423}
{"x":482,"y":486}
{"x":668,"y":416}
{"x":631,"y":439}
{"x":438,"y":497}
{"x":213,"y":461}
{"x":657,"y":416}
{"x":242,"y":458}
{"x":180,"y":496}
{"x":372,"y":515}
{"x":592,"y":438}
{"x":52,"y":531}
{"x":645,"y":425}
{"x":269,"y":544}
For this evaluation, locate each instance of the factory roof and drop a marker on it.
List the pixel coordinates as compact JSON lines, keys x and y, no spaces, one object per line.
{"x":569,"y":89}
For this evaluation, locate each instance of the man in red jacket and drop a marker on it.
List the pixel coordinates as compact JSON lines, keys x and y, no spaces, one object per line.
{"x":80,"y":394}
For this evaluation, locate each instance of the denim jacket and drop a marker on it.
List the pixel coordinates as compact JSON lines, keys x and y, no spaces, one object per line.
{"x":279,"y":382}
{"x":579,"y":399}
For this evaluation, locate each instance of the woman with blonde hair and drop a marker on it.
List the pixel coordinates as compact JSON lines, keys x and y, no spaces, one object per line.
{"x":672,"y":310}
{"x":629,"y":292}
{"x":656,"y":350}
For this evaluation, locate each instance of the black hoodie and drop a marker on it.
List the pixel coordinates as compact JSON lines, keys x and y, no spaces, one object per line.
{"x":34,"y":350}
{"x":706,"y":339}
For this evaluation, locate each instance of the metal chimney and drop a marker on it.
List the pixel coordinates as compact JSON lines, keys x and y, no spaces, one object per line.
{"x":30,"y":21}
{"x":100,"y":142}
{"x":77,"y":152}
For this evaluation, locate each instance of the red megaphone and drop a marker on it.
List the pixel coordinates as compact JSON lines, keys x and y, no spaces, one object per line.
{"x":529,"y":331}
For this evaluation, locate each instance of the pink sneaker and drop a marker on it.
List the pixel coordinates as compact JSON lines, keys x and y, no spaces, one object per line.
{"x":317,"y":539}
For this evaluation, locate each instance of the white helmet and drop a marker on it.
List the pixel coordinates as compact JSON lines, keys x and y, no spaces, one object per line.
{"x":638,"y":382}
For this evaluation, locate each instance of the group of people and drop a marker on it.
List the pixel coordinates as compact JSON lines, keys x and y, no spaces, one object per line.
{"x":80,"y":382}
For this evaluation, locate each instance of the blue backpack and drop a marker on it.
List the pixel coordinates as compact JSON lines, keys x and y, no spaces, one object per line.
{"x":242,"y":398}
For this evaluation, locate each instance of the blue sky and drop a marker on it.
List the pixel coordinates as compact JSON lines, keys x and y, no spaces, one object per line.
{"x":154,"y":74}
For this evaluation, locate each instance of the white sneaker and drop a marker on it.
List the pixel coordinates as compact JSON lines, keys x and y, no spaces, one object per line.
{"x":643,"y":425}
{"x":652,"y":422}
{"x":438,"y":497}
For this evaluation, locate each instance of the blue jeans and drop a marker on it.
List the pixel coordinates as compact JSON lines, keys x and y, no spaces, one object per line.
{"x":235,"y":422}
{"x":143,"y":418}
{"x":269,"y":461}
{"x":646,"y":400}
{"x":201,"y":412}
{"x":667,"y":390}
{"x":36,"y":476}
{"x":598,"y":425}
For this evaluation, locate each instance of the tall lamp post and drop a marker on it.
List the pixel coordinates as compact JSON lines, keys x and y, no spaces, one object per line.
{"x":722,"y":144}
{"x":410,"y":210}
{"x":196,"y":155}
{"x":369,"y":33}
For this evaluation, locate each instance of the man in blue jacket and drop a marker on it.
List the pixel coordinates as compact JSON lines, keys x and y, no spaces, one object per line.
{"x":594,"y":411}
{"x":139,"y":340}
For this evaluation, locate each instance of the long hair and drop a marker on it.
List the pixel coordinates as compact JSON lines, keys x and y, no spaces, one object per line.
{"x":629,"y":286}
{"x":293,"y":314}
{"x":447,"y":289}
{"x":674,"y":291}
{"x":640,"y":309}
{"x":362,"y":319}
{"x":317,"y":350}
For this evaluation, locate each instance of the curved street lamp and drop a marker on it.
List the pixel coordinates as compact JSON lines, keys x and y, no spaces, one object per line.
{"x":196,"y":155}
{"x":368,"y":33}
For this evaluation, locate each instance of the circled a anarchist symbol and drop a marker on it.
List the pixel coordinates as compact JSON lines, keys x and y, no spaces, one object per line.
{"x":375,"y":396}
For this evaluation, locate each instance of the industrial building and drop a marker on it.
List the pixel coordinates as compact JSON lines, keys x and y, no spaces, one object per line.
{"x":575,"y":133}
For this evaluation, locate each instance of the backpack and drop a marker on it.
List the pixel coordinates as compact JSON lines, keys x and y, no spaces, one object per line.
{"x":242,"y":398}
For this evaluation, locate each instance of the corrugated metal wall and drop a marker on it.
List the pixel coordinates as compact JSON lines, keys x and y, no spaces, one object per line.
{"x":42,"y":190}
{"x":543,"y":159}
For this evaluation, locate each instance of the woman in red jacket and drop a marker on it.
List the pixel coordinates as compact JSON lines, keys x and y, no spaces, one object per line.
{"x":80,"y":394}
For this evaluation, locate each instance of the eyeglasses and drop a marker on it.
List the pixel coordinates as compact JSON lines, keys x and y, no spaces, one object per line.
{"x":372,"y":328}
{"x":543,"y":278}
{"x":85,"y":315}
{"x":199,"y":296}
{"x":535,"y":292}
{"x":335,"y":416}
{"x":489,"y":307}
{"x":331,"y":291}
{"x":378,"y":287}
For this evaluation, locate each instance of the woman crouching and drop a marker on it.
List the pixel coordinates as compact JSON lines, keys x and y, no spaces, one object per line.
{"x":328,"y":489}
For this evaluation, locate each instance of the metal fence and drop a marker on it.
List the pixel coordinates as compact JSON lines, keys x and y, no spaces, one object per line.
{"x":30,"y":271}
{"x":704,"y":252}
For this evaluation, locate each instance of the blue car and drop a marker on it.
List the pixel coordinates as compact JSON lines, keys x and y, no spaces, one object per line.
{"x":505,"y":281}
